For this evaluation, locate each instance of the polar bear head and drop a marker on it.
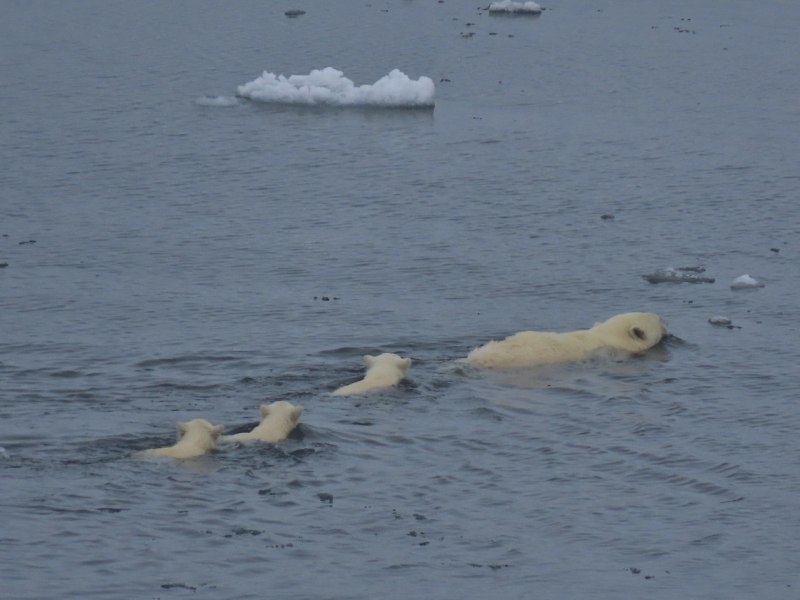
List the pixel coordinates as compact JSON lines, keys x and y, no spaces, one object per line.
{"x":200,"y":432}
{"x":633,"y":332}
{"x":389,"y":361}
{"x":281,"y":415}
{"x":195,"y":438}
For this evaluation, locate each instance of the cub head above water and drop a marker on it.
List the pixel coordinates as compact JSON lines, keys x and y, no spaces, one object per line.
{"x":195,"y":438}
{"x":277,"y":421}
{"x":384,"y":370}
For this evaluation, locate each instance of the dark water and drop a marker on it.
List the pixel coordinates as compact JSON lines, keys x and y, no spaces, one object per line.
{"x":182,"y":250}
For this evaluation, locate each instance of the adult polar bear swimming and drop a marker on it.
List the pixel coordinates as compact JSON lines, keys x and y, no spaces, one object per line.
{"x":277,"y":421}
{"x":629,"y":332}
{"x":385,"y":370}
{"x":195,"y":438}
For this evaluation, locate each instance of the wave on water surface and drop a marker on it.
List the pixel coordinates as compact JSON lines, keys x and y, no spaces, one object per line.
{"x":217,"y":101}
{"x":329,"y":86}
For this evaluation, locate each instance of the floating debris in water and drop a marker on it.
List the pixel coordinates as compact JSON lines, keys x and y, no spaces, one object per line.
{"x":679,"y":275}
{"x":607,"y":217}
{"x":720,"y":321}
{"x":294,"y":13}
{"x":745,"y":282}
{"x":521,"y":8}
{"x":168,"y":586}
{"x":696,"y":269}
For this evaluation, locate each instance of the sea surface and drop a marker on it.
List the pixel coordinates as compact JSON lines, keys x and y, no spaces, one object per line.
{"x":175,"y":251}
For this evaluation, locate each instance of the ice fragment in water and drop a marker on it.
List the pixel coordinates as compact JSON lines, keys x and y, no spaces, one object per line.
{"x":722,"y":321}
{"x":679,"y":275}
{"x":507,"y":6}
{"x":745,"y":282}
{"x":330,"y":87}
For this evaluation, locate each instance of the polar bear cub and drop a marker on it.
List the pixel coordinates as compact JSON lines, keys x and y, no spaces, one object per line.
{"x":277,"y":421}
{"x":385,"y":370}
{"x":629,"y":332}
{"x":195,"y":438}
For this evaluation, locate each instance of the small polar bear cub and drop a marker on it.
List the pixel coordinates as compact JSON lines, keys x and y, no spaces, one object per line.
{"x":195,"y":438}
{"x":629,"y":332}
{"x":385,"y":370}
{"x":277,"y":421}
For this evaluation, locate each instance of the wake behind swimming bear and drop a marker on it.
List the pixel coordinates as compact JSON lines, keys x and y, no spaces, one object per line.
{"x":629,"y":332}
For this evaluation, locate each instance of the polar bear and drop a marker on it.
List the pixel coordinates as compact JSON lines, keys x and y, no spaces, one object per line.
{"x":195,"y":438}
{"x":385,"y":370}
{"x":629,"y":332}
{"x":277,"y":421}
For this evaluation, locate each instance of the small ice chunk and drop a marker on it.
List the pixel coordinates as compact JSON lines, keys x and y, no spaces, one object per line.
{"x":721,"y":321}
{"x":507,"y":6}
{"x":679,"y":275}
{"x":745,"y":282}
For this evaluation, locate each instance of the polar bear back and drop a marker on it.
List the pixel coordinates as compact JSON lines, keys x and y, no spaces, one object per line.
{"x":629,"y":332}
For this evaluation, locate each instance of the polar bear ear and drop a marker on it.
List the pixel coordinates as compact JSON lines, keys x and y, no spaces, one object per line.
{"x":638,"y":333}
{"x":217,"y":430}
{"x":264,"y":411}
{"x":369,"y":360}
{"x":182,"y":429}
{"x":295,"y":414}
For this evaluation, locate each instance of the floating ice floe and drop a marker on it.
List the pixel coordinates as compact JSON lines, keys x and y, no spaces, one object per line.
{"x":330,"y":86}
{"x":507,"y":6}
{"x":217,"y":101}
{"x":745,"y":282}
{"x":720,"y":321}
{"x":679,"y":275}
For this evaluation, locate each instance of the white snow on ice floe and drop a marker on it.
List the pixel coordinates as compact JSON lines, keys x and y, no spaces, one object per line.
{"x":217,"y":101}
{"x":745,"y":282}
{"x":507,"y":6}
{"x":330,"y":86}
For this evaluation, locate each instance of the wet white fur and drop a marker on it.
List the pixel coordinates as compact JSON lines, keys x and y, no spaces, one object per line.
{"x":629,"y":332}
{"x":195,"y":438}
{"x":383,"y":371}
{"x":277,"y":421}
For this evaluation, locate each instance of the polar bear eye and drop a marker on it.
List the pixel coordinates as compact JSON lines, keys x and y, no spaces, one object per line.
{"x":639,"y":333}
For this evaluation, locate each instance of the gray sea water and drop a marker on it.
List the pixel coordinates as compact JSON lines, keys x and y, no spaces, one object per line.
{"x":168,"y":256}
